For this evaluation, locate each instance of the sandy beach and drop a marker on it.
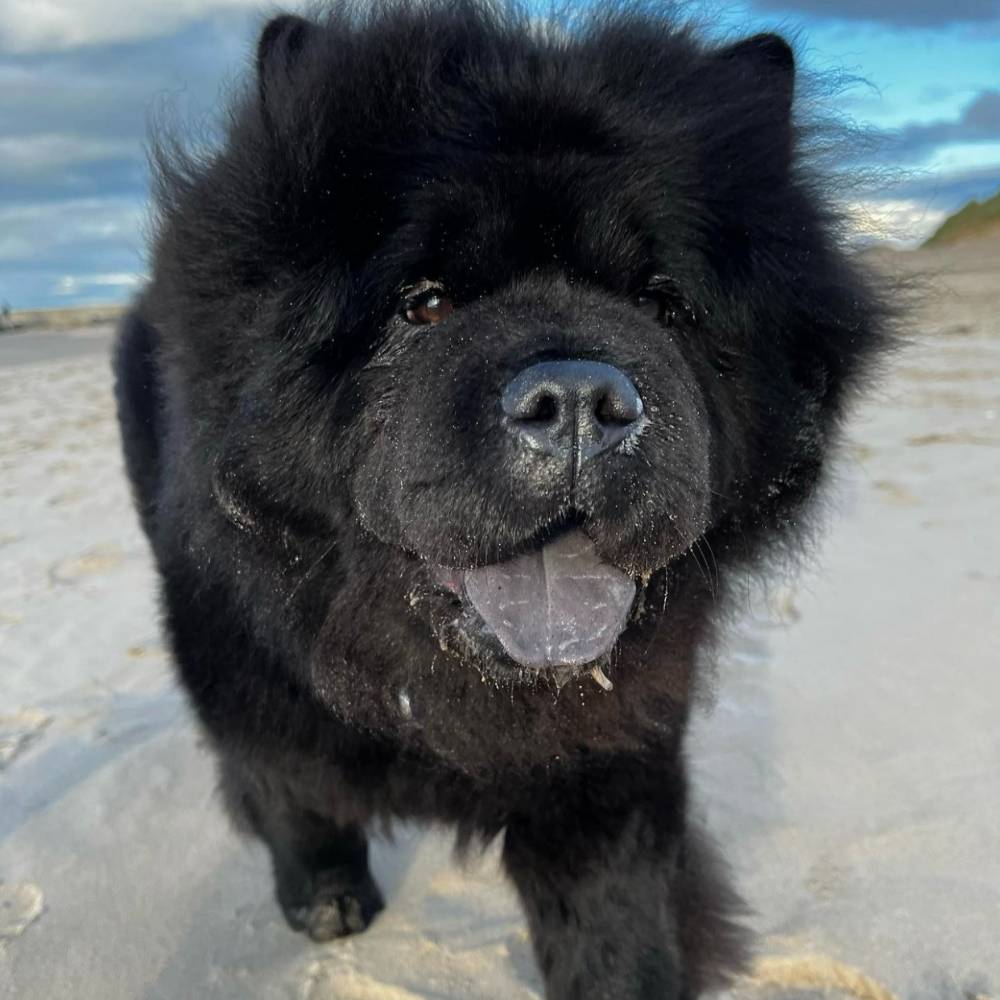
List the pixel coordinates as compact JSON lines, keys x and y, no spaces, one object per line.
{"x":849,"y":763}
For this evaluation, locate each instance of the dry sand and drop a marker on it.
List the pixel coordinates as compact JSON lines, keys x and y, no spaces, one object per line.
{"x":850,"y":765}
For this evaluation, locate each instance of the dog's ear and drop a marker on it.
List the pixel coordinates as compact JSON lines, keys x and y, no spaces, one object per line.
{"x":757,"y":76}
{"x":765,"y":65}
{"x":279,"y":49}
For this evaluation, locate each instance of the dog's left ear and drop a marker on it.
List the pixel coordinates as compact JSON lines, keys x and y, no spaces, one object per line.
{"x":765,"y":65}
{"x":279,"y":50}
{"x":757,"y":87}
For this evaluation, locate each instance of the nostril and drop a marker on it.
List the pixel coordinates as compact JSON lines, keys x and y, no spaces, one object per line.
{"x":533,"y":399}
{"x":608,"y":414}
{"x":545,"y":410}
{"x":615,"y":408}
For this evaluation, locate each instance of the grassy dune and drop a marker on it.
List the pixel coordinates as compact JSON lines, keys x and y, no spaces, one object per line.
{"x":977,"y":218}
{"x":60,"y":319}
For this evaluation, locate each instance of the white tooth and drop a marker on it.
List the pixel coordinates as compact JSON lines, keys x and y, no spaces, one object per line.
{"x":602,"y":678}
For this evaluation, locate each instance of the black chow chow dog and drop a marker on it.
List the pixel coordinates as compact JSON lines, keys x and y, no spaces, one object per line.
{"x":476,"y":356}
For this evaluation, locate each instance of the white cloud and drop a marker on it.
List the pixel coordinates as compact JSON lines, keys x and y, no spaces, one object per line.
{"x":39,"y":231}
{"x":74,"y":284}
{"x":965,"y":156}
{"x":900,"y":221}
{"x":29,"y":155}
{"x":52,"y":25}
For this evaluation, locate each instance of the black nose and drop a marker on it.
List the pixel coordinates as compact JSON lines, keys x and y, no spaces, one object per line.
{"x":556,"y":404}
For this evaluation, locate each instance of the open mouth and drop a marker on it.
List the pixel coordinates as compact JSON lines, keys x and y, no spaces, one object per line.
{"x":558,"y":608}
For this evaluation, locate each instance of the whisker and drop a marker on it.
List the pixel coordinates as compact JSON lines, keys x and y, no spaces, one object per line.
{"x":715,"y":562}
{"x":309,"y":572}
{"x":704,"y":566}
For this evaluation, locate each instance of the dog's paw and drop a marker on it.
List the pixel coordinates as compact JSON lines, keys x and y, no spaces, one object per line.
{"x":337,"y":904}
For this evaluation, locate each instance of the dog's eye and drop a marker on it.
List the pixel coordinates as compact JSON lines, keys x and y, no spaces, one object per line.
{"x":662,"y":306}
{"x":665,"y":305}
{"x":427,"y":306}
{"x":650,"y":302}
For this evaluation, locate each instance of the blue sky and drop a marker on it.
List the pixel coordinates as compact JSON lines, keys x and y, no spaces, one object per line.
{"x":81,"y":78}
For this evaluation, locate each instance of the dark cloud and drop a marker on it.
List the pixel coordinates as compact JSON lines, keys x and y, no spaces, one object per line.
{"x":983,"y":114}
{"x":47,"y":248}
{"x":110,"y":91}
{"x":900,"y":13}
{"x":113,"y":177}
{"x":978,"y":122}
{"x":947,"y":192}
{"x":73,"y":175}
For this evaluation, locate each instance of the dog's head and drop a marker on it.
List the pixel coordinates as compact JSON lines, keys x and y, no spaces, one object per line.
{"x":511,"y":326}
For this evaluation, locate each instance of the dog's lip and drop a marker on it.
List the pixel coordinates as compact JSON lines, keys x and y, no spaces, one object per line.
{"x":556,"y":606}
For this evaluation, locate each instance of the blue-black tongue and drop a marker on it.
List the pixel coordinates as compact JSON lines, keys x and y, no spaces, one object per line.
{"x":559,"y":606}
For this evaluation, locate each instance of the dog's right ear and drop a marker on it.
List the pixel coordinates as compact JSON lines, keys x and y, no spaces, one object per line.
{"x":279,"y":49}
{"x":766,"y":66}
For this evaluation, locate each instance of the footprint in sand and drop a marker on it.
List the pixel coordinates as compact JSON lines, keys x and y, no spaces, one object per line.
{"x":141,"y":652}
{"x":348,"y":984}
{"x":895,"y":493}
{"x":19,"y":731}
{"x":957,"y":437}
{"x":68,"y":498}
{"x":63,"y":467}
{"x":861,"y":452}
{"x":99,"y":559}
{"x":21,"y":904}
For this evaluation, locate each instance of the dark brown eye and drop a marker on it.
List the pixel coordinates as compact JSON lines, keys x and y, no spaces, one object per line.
{"x":663,"y":303}
{"x":427,"y":306}
{"x":659,"y":305}
{"x":649,"y":302}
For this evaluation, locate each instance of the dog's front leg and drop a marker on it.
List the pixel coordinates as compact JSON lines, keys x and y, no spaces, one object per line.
{"x":600,"y":902}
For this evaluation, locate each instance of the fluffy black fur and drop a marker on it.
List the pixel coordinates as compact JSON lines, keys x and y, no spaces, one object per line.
{"x":303,"y":456}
